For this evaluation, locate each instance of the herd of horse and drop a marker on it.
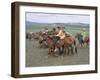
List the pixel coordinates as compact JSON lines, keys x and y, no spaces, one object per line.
{"x":61,"y":47}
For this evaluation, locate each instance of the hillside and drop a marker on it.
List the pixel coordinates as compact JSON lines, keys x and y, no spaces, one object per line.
{"x":33,"y":24}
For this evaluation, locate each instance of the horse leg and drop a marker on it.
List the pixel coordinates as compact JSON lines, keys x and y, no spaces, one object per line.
{"x":50,"y":50}
{"x":75,"y":46}
{"x":40,"y":44}
{"x":72,"y":49}
{"x":83,"y":43}
{"x":64,"y":50}
{"x":55,"y":51}
{"x":75,"y":49}
{"x":60,"y":51}
{"x":68,"y":48}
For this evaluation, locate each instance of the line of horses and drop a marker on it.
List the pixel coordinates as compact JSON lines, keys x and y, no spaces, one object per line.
{"x":46,"y":40}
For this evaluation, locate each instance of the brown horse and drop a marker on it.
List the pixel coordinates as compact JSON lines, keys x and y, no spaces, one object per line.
{"x":51,"y":46}
{"x":86,"y":41}
{"x":36,"y":35}
{"x":42,"y":40}
{"x":61,"y":45}
{"x":52,"y":33}
{"x":68,"y":43}
{"x":43,"y":37}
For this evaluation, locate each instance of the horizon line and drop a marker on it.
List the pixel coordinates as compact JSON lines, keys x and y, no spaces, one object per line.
{"x":56,"y":22}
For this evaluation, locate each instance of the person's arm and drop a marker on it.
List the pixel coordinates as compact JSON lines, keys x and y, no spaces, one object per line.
{"x":59,"y":33}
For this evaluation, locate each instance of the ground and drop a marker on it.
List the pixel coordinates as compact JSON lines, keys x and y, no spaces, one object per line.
{"x":36,"y":56}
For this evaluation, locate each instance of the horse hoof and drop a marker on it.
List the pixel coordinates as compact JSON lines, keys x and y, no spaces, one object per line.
{"x":56,"y":55}
{"x":49,"y":53}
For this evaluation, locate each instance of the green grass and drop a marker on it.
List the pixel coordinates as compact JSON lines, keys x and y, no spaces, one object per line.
{"x":72,"y":30}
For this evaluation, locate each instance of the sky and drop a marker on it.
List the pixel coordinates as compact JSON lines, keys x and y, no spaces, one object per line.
{"x":57,"y":18}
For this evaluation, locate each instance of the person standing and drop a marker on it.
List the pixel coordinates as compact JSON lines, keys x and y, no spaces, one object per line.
{"x":83,"y":33}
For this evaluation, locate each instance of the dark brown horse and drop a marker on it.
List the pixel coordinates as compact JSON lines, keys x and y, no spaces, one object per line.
{"x":51,"y":45}
{"x":42,"y":40}
{"x":60,"y":46}
{"x":43,"y":37}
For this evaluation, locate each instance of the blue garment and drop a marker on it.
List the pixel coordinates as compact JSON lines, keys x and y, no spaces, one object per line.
{"x":80,"y":38}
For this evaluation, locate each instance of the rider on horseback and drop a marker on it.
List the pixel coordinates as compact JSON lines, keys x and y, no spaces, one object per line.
{"x":83,"y":33}
{"x":61,"y":34}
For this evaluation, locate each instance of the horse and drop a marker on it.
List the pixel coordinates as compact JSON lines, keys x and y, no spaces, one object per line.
{"x":36,"y":35}
{"x":82,"y":42}
{"x":29,"y":35}
{"x":86,"y":41}
{"x":51,"y":45}
{"x":42,"y":40}
{"x":43,"y":36}
{"x":69,"y":43}
{"x":52,"y":33}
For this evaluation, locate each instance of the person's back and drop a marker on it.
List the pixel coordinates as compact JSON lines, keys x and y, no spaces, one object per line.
{"x":61,"y":33}
{"x":59,"y":36}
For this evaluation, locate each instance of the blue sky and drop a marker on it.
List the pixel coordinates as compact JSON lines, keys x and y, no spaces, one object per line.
{"x":57,"y":18}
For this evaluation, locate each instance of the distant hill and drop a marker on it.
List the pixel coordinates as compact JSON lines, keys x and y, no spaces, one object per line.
{"x":78,"y":24}
{"x":31,"y":24}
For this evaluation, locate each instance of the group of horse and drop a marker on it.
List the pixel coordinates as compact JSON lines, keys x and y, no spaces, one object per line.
{"x":61,"y":47}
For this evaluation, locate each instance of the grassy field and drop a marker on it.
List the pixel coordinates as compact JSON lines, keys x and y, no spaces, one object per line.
{"x":72,"y":30}
{"x":36,"y":56}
